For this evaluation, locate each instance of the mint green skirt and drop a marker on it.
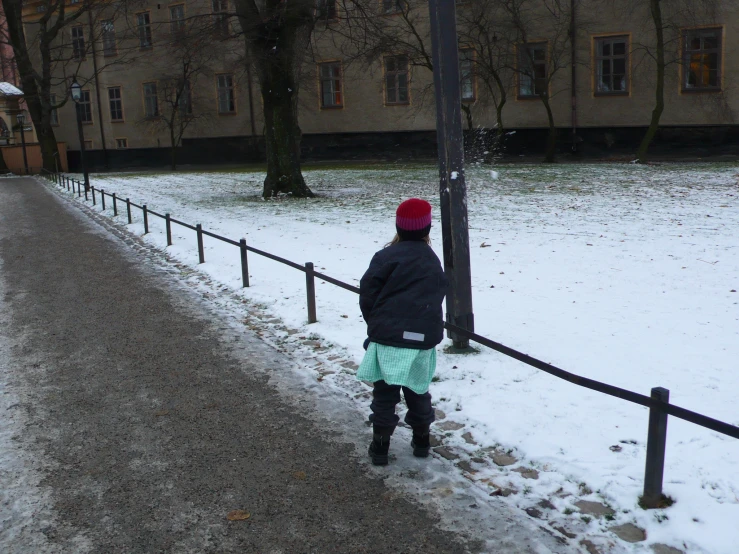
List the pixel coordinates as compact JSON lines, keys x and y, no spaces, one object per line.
{"x":408,"y":367}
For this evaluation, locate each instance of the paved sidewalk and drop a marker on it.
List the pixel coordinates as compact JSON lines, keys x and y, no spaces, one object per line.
{"x":144,"y":431}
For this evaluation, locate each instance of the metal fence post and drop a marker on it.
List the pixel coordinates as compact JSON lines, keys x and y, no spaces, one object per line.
{"x":128,"y":210}
{"x":73,"y":191}
{"x":310,"y":285}
{"x":201,"y":252}
{"x":146,"y":218}
{"x":67,"y":180}
{"x":85,"y":195}
{"x":102,"y":198}
{"x":93,"y":196}
{"x":115,"y":205}
{"x":656,"y":439}
{"x":244,"y":263}
{"x":79,"y":190}
{"x":169,"y":229}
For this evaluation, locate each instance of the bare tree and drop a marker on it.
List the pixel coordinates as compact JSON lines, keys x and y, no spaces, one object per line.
{"x":277,"y":35}
{"x":538,"y":62}
{"x":177,"y":103}
{"x":666,"y":44}
{"x":47,"y":56}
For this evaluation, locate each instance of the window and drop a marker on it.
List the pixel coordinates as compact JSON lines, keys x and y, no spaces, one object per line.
{"x":396,"y":80}
{"x":116,"y":103}
{"x":40,"y":9}
{"x":226,"y":98}
{"x":144,"y":25}
{"x":185,"y":100}
{"x":467,"y":74}
{"x":220,"y":17}
{"x":532,"y":70}
{"x":121,"y":143}
{"x":54,"y":114}
{"x":177,"y":19}
{"x":327,"y":10}
{"x":702,"y":60}
{"x":88,"y":144}
{"x":78,"y":42}
{"x":151,"y":102}
{"x":109,"y":48}
{"x":331,"y":94}
{"x":85,"y":107}
{"x":391,"y":6}
{"x":611,"y":63}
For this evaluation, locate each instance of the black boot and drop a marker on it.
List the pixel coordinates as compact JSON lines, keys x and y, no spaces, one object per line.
{"x":421,"y":441}
{"x":378,"y":449}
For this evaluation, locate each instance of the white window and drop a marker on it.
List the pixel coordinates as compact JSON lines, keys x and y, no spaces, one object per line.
{"x":109,"y":46}
{"x":331,"y":90}
{"x":226,"y":97}
{"x":532,"y":70}
{"x":151,"y":101}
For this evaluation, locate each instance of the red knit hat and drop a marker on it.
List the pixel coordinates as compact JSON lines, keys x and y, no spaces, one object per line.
{"x":413,"y":219}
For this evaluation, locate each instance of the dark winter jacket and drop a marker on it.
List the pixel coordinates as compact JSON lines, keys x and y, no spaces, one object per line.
{"x":400,"y":296}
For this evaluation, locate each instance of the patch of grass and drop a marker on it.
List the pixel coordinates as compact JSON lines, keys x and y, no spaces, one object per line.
{"x":569,"y":511}
{"x":586,"y":519}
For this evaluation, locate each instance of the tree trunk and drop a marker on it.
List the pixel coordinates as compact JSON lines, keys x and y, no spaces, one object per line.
{"x":551,"y":152}
{"x":659,"y":107}
{"x":173,"y":153}
{"x":40,"y":115}
{"x":282,"y":133}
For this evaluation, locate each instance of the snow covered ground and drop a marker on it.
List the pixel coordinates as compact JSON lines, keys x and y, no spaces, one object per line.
{"x":624,"y":274}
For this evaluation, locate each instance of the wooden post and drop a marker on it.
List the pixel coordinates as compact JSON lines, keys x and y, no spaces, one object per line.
{"x":201,"y":252}
{"x":656,"y":440}
{"x":310,"y":285}
{"x":169,"y":229}
{"x":244,"y":263}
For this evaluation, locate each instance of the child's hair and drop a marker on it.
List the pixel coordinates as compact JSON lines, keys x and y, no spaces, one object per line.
{"x":397,"y":239}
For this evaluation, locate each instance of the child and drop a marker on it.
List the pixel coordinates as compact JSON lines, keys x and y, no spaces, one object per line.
{"x":400,"y":296}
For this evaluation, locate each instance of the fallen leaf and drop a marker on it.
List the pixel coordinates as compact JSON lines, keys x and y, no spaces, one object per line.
{"x":342,"y":315}
{"x":483,"y":245}
{"x":732,"y":290}
{"x":238,"y":515}
{"x":615,"y":448}
{"x":300,"y":475}
{"x":161,"y":413}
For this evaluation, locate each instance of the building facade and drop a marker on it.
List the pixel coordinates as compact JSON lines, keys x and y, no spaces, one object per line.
{"x":133,"y":62}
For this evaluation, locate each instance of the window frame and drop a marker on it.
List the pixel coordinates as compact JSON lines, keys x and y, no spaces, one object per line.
{"x":114,"y":52}
{"x":146,"y":96}
{"x":146,"y":28}
{"x":88,"y":144}
{"x":221,"y":17}
{"x":120,"y":102}
{"x":396,"y":73}
{"x":472,"y":74}
{"x":232,"y":88}
{"x":521,"y":75}
{"x":87,"y":107}
{"x":177,"y":26}
{"x":76,"y":42}
{"x":391,"y":7}
{"x":323,"y":6}
{"x":598,"y":41}
{"x":685,"y":59}
{"x":117,"y":147}
{"x":322,"y":80}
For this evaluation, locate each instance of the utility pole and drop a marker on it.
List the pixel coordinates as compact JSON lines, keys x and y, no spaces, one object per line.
{"x":452,"y":188}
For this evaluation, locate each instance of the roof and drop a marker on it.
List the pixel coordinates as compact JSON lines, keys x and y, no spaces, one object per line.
{"x":6,"y":89}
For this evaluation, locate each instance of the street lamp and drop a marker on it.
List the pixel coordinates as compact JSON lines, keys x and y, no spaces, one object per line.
{"x":75,"y":91}
{"x":21,"y":119}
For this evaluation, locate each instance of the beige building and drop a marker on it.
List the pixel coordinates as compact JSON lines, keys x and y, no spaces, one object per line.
{"x":128,"y":59}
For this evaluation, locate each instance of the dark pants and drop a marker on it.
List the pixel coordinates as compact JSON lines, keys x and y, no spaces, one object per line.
{"x":384,"y":399}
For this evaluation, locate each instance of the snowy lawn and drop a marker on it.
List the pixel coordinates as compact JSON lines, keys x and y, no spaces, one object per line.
{"x":619,"y":273}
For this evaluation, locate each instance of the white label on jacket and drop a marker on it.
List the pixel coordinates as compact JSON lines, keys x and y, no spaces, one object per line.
{"x":413,"y":336}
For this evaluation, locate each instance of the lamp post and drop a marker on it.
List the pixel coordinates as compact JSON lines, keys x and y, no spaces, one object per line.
{"x":76,"y":92}
{"x":21,"y":119}
{"x":452,"y":190}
